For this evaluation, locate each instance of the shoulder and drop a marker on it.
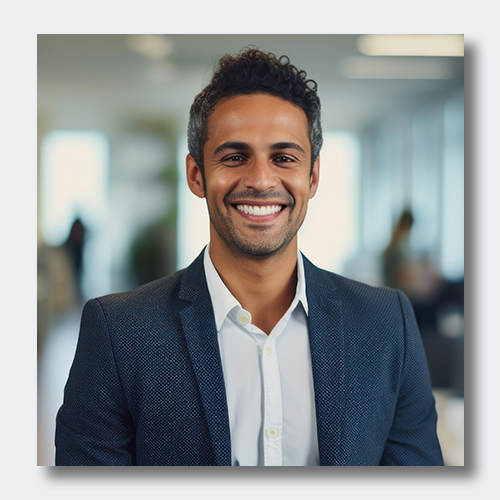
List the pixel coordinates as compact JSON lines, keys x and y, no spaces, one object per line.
{"x":152,"y":303}
{"x":322,"y":283}
{"x":149,"y":295}
{"x":159,"y":294}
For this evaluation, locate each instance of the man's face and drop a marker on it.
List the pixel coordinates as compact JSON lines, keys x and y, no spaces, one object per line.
{"x":257,"y":169}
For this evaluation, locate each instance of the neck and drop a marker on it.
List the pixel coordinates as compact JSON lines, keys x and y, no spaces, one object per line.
{"x":264,"y":286}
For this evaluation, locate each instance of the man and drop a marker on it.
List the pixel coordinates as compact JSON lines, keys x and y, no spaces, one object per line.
{"x":251,"y":355}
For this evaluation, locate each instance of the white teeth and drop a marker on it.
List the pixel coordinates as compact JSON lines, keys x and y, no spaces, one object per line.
{"x":256,"y":210}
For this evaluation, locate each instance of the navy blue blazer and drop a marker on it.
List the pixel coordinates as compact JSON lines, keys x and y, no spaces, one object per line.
{"x":146,"y":386}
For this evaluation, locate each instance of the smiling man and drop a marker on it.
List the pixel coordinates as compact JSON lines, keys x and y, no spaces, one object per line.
{"x":251,"y":355}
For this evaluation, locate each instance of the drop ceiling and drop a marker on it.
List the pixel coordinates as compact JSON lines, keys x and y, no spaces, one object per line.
{"x":97,"y":81}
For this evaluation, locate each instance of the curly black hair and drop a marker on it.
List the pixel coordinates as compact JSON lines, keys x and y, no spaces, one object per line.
{"x":249,"y":72}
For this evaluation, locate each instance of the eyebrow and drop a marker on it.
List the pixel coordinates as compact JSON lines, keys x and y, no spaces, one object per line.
{"x":287,"y":145}
{"x":243,"y":146}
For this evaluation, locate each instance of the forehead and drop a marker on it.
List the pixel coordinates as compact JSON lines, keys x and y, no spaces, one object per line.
{"x":257,"y":117}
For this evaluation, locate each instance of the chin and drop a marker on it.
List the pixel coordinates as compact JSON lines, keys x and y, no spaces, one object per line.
{"x":261,"y":249}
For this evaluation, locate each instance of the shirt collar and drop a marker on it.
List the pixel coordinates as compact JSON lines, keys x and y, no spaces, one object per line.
{"x":222,"y":299}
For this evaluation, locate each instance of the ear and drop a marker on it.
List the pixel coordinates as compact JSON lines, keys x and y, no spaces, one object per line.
{"x":314,"y":180}
{"x":194,"y":177}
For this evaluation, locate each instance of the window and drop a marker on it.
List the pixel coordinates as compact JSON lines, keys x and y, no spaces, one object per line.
{"x":74,"y":184}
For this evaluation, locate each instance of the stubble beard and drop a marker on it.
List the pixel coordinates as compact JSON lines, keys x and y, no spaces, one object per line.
{"x":258,"y":247}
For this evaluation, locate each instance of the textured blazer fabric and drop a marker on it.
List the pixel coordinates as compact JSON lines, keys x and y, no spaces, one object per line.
{"x":146,"y":386}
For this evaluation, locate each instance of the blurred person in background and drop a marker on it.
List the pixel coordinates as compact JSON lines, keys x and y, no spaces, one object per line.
{"x":252,"y":355}
{"x":397,"y":273}
{"x":74,"y":246}
{"x":59,"y":280}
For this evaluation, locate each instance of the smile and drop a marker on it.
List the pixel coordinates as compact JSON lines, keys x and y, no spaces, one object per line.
{"x":259,"y":210}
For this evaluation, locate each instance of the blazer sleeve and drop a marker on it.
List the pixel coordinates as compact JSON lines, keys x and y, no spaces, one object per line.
{"x":93,"y":426}
{"x":413,"y":439}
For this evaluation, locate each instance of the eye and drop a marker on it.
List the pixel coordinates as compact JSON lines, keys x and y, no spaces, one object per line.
{"x":233,"y":159}
{"x":282,"y":159}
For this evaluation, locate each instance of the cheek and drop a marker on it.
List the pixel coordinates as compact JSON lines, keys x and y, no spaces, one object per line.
{"x":219,"y":186}
{"x":298,"y":186}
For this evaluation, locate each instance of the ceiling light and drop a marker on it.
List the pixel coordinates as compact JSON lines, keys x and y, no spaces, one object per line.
{"x":411,"y":45}
{"x":361,"y":67}
{"x":152,"y":46}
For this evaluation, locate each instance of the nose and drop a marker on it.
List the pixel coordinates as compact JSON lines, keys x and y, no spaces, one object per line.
{"x":260,"y":175}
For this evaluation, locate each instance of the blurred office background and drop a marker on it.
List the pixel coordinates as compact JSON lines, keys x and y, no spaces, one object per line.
{"x":114,"y":210}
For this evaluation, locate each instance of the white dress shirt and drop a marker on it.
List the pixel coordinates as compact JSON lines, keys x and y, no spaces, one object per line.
{"x":268,"y":379}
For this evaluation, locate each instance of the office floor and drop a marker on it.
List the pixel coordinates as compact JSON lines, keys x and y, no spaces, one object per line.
{"x":57,"y":355}
{"x":450,"y":427}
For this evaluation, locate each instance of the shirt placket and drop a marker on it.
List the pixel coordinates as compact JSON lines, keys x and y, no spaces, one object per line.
{"x":273,"y":408}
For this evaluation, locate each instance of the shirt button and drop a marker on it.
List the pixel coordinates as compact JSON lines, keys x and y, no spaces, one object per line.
{"x":243,"y":317}
{"x":269,"y":351}
{"x":272,"y":432}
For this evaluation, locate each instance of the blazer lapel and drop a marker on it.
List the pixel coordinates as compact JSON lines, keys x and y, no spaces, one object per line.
{"x":326,"y":334}
{"x":201,"y":338}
